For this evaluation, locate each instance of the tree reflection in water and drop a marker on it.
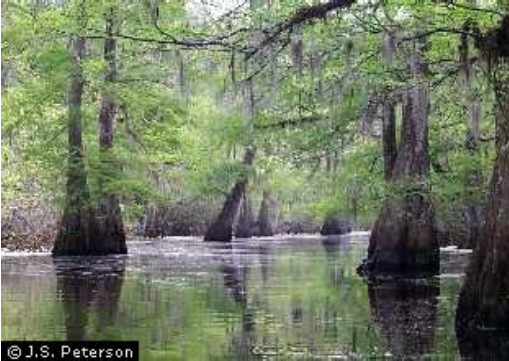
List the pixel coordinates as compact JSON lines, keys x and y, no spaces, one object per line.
{"x":406,"y":312}
{"x":332,"y":246}
{"x":235,"y":272}
{"x":185,"y":300}
{"x":85,"y":283}
{"x":266,"y":257}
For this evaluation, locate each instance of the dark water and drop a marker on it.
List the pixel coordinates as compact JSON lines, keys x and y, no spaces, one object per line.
{"x":290,"y":298}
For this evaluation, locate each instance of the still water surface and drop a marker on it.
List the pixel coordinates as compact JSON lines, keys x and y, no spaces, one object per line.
{"x":282,"y":297}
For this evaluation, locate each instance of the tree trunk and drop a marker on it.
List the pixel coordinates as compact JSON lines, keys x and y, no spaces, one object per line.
{"x":334,"y":224}
{"x":109,"y":212}
{"x":474,"y":178}
{"x":265,"y":228}
{"x":389,"y":137}
{"x":78,"y":231}
{"x":389,"y":117}
{"x":487,"y":345}
{"x":245,"y":222}
{"x":222,"y":228}
{"x":484,"y":299}
{"x":151,"y":224}
{"x":181,"y":75}
{"x":296,"y":48}
{"x":403,"y":239}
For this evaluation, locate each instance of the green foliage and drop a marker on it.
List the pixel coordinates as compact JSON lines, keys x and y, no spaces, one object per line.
{"x":183,"y":121}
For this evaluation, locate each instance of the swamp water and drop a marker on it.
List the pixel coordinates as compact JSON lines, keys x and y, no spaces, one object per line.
{"x":280,"y":297}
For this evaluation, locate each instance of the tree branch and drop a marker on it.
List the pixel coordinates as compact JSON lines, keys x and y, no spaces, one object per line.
{"x":473,"y":8}
{"x":289,"y":122}
{"x":302,"y":15}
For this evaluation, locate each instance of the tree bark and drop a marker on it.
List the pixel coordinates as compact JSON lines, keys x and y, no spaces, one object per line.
{"x":484,"y":299}
{"x":222,"y":228}
{"x":245,"y":222}
{"x":487,"y":345}
{"x":390,"y":152}
{"x":389,"y":116}
{"x":151,"y":224}
{"x":474,"y":178}
{"x":334,"y":224}
{"x":264,"y":223}
{"x":78,"y":231}
{"x":109,"y":212}
{"x":181,"y":75}
{"x":403,"y":239}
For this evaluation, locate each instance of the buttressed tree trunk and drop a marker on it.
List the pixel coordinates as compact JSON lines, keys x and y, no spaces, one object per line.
{"x":244,"y":228}
{"x":222,"y":228}
{"x":403,"y":239}
{"x":78,"y":231}
{"x":484,"y":299}
{"x":265,"y":228}
{"x":109,"y":212}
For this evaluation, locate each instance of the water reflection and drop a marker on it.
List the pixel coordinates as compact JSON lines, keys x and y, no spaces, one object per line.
{"x":234,"y":275}
{"x":266,"y":259}
{"x":87,"y":283}
{"x":235,"y":271}
{"x":286,"y":298}
{"x":406,"y":312}
{"x":332,"y":246}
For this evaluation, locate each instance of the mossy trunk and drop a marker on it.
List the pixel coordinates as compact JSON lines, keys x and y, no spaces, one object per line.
{"x":403,"y":239}
{"x":221,"y":229}
{"x":264,"y":223}
{"x":108,"y":211}
{"x":78,"y":232}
